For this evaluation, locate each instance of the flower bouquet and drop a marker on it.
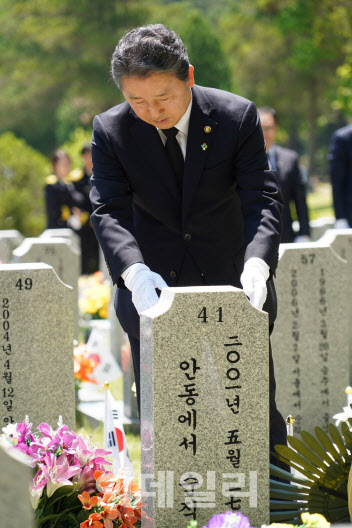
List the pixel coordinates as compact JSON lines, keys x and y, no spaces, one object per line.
{"x":94,"y":296}
{"x":70,"y":487}
{"x":238,"y":520}
{"x":84,"y":365}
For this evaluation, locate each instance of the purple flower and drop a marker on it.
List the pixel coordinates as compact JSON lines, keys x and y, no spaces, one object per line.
{"x":85,"y":481}
{"x":229,"y":520}
{"x":24,"y":436}
{"x":54,"y":473}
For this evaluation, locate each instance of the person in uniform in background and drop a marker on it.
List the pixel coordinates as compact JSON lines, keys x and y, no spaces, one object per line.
{"x":89,"y":244}
{"x":286,"y":164}
{"x":340,"y":161}
{"x":61,"y":198}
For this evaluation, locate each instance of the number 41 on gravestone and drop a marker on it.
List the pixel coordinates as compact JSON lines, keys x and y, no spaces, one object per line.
{"x":203,"y":315}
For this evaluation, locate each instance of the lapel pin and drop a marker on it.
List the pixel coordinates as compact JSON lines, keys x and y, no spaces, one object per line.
{"x":204,"y":146}
{"x":207,"y":129}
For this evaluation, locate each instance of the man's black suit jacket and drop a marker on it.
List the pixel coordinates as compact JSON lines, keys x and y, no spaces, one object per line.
{"x":229,"y":211}
{"x":340,"y":157}
{"x":293,"y":189}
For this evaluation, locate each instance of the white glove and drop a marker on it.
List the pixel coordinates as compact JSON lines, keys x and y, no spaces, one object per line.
{"x":302,"y":238}
{"x":341,"y":223}
{"x":142,"y":283}
{"x":74,"y":222}
{"x":253,"y":280}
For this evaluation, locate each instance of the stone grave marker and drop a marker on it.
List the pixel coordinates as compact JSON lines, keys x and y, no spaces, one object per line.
{"x":63,"y":233}
{"x":310,"y":338}
{"x":319,"y":226}
{"x":15,"y":477}
{"x":62,"y":256}
{"x":9,"y":240}
{"x":341,"y":242}
{"x":204,"y":407}
{"x":36,"y":345}
{"x":130,"y":407}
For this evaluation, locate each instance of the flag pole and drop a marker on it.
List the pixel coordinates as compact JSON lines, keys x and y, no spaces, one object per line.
{"x":106,"y":418}
{"x":289,"y":424}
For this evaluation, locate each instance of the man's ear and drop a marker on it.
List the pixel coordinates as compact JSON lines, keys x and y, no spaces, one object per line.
{"x":190,"y":76}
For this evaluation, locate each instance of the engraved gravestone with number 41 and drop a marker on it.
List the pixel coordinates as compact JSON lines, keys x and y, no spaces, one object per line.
{"x":204,"y":407}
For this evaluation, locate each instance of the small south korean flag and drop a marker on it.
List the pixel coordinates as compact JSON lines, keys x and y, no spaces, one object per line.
{"x":114,"y":437}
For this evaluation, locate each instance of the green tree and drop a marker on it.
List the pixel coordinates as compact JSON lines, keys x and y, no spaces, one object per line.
{"x":285,"y":54}
{"x":22,"y":173}
{"x":203,"y":44}
{"x":54,"y":70}
{"x":73,"y":146}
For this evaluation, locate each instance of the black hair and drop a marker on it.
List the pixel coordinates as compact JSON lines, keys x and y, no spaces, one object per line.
{"x":58,"y":155}
{"x":86,"y":148}
{"x":268,"y":110}
{"x":149,"y":49}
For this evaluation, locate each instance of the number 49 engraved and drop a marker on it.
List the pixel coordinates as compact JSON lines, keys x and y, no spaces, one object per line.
{"x":24,"y":284}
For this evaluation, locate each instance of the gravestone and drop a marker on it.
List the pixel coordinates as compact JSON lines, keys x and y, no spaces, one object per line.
{"x":36,"y":341}
{"x":341,"y":242}
{"x":204,"y":407}
{"x":319,"y":226}
{"x":310,"y":338}
{"x":63,"y":233}
{"x":15,"y":477}
{"x":129,"y":386}
{"x":9,"y":240}
{"x":62,"y":256}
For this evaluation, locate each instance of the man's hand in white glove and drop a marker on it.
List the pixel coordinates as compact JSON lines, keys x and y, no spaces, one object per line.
{"x":142,"y":283}
{"x":341,"y":223}
{"x":253,"y":280}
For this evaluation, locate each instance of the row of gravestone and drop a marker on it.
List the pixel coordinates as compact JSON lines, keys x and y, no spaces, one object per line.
{"x":204,"y":389}
{"x":60,"y":248}
{"x":205,"y":374}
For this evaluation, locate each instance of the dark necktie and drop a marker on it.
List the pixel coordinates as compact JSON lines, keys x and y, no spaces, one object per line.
{"x":174,"y":153}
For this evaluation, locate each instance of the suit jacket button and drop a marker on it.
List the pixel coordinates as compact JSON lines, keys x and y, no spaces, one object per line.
{"x":173,"y":274}
{"x":187,"y":236}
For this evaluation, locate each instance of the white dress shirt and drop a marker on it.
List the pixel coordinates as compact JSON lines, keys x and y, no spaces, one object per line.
{"x":182,"y":127}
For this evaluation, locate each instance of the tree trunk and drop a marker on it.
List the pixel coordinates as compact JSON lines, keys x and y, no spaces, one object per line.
{"x":312,"y":114}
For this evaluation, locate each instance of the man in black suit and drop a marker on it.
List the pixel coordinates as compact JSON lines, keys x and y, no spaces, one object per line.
{"x":89,"y":244}
{"x":181,"y":190}
{"x":285,"y":162}
{"x":340,"y":158}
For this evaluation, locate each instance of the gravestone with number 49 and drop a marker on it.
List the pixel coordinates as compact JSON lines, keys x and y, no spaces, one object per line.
{"x":204,"y":407}
{"x":36,"y":335}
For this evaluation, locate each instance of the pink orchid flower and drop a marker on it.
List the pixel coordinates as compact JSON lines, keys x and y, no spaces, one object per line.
{"x":56,"y":472}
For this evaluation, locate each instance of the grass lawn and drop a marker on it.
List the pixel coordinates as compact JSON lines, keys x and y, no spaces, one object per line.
{"x":320,"y":202}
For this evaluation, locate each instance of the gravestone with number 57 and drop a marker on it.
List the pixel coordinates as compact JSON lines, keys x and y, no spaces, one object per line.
{"x":36,"y":334}
{"x":204,"y":407}
{"x":310,"y":338}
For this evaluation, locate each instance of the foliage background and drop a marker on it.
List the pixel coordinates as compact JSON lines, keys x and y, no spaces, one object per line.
{"x":294,"y":55}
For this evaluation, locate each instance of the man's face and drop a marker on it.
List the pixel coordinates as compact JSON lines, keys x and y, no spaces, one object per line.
{"x":269,"y":128}
{"x":87,"y":161}
{"x":62,"y":167}
{"x":160,"y":99}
